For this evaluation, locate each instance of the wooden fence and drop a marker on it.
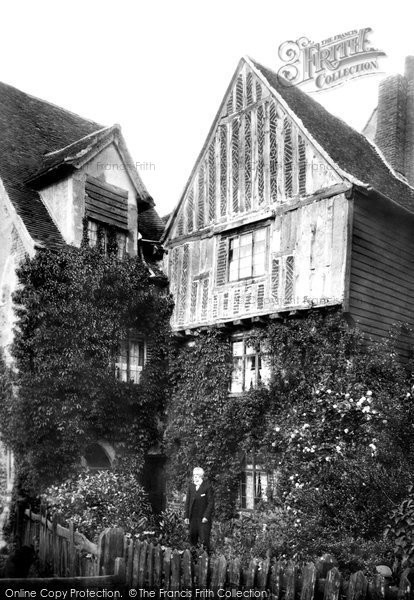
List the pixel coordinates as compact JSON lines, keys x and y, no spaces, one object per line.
{"x":162,"y":571}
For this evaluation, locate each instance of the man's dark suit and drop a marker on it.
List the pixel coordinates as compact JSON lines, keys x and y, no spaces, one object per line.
{"x":199,"y":504}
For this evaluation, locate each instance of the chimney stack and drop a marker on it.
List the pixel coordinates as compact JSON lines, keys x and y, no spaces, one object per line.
{"x":409,"y":125}
{"x":395,"y":121}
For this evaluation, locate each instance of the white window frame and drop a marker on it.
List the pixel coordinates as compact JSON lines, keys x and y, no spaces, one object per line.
{"x":126,"y":370}
{"x":239,"y":238}
{"x":257,"y":484}
{"x":251,"y":358}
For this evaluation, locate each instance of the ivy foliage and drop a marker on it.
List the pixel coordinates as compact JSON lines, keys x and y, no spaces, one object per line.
{"x":334,"y":427}
{"x":74,"y":307}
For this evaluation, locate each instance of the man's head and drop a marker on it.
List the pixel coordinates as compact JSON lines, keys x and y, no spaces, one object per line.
{"x":198,"y":475}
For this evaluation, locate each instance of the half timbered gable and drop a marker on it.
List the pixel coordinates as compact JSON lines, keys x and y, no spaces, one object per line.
{"x":239,"y":233}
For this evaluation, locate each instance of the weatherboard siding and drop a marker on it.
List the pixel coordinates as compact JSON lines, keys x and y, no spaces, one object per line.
{"x":381,"y":287}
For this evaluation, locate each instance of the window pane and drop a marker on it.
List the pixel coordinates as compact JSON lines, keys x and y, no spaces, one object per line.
{"x":233,"y":271}
{"x":246,"y":239}
{"x":250,"y":349}
{"x":264,"y":369}
{"x":237,"y":376}
{"x":141,"y":357}
{"x":259,"y":235}
{"x":249,"y":490}
{"x":237,"y":348}
{"x":121,"y":243}
{"x":250,"y":376}
{"x":92,"y":233}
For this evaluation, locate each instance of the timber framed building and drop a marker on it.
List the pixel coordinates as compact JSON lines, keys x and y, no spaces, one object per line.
{"x":289,"y":209}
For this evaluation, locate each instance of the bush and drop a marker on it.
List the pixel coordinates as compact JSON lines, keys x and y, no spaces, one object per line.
{"x":94,"y":501}
{"x":171,"y":530}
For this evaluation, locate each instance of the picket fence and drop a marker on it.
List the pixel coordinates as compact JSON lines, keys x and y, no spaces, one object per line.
{"x":158,"y":572}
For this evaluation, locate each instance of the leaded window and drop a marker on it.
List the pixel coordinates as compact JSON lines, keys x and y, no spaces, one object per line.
{"x":247,"y":255}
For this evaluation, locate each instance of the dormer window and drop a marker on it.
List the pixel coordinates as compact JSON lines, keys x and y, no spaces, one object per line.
{"x":103,"y":235}
{"x":106,"y":208}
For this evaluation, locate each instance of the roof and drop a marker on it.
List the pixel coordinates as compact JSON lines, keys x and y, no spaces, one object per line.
{"x":352,"y":152}
{"x":150,"y":225}
{"x":360,"y":161}
{"x":39,"y":139}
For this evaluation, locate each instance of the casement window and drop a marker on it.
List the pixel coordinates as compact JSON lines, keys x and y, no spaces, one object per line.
{"x":106,"y":208}
{"x":92,"y":233}
{"x":251,"y":367}
{"x":131,"y":360}
{"x":256,"y":485}
{"x":247,"y":255}
{"x":100,"y":233}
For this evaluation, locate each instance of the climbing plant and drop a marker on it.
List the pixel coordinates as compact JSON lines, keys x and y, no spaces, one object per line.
{"x":74,"y":307}
{"x":333,"y":427}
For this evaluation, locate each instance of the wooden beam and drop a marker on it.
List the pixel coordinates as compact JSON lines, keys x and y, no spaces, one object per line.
{"x":276,"y":316}
{"x":259,"y":320}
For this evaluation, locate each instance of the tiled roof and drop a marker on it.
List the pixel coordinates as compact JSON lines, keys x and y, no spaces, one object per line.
{"x":30,"y":128}
{"x":150,"y":225}
{"x":39,"y":140}
{"x":350,"y":150}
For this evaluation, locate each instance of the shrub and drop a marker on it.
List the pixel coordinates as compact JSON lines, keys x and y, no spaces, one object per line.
{"x":95,"y":501}
{"x":171,"y":530}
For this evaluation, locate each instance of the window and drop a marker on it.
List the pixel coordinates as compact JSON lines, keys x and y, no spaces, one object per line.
{"x":92,"y":233}
{"x":251,"y":367}
{"x":131,"y":360}
{"x":98,"y":232}
{"x":247,"y":255}
{"x":121,"y":239}
{"x":257,"y":485}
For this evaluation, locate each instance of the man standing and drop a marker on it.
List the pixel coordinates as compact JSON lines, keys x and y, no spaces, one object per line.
{"x":199,"y":505}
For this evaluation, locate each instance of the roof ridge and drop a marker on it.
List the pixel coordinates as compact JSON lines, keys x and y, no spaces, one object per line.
{"x":85,"y":137}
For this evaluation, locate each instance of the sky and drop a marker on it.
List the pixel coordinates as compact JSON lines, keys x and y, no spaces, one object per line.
{"x":160,"y":69}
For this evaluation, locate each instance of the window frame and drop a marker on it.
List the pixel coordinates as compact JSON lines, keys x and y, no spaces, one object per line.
{"x":239,"y":236}
{"x":119,"y":360}
{"x":267,"y":490}
{"x":100,"y":232}
{"x":258,"y":353}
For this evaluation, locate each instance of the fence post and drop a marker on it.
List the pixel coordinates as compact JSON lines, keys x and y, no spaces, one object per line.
{"x":251,"y":574}
{"x":202,"y":571}
{"x":167,"y":568}
{"x":308,"y":582}
{"x":55,"y":544}
{"x":119,"y":568}
{"x":332,"y":585}
{"x":276,"y":577}
{"x":71,"y":549}
{"x":263,"y":574}
{"x":187,"y":571}
{"x":218,"y":578}
{"x":142,"y":564}
{"x":378,"y":587}
{"x":234,"y":573}
{"x":358,"y":586}
{"x":404,"y":589}
{"x":157,"y":567}
{"x":129,"y":558}
{"x":175,"y":571}
{"x":135,"y":564}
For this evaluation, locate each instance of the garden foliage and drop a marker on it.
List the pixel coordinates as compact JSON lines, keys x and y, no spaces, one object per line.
{"x":334,"y":429}
{"x":74,"y":307}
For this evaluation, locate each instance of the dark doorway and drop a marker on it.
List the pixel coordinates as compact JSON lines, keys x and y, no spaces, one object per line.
{"x":153,"y":480}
